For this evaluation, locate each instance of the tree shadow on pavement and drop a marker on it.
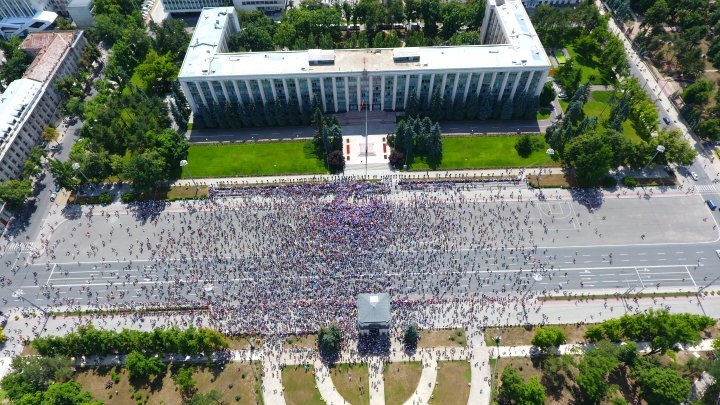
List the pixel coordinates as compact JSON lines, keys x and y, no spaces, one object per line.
{"x":590,"y":198}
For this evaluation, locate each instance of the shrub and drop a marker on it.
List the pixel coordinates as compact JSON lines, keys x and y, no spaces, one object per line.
{"x":128,"y":197}
{"x":629,"y":181}
{"x":105,"y":198}
{"x":608,"y":182}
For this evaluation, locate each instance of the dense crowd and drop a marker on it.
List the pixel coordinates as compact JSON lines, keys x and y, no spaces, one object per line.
{"x":280,"y":259}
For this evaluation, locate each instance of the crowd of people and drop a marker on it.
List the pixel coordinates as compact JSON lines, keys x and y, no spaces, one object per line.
{"x":279,"y":259}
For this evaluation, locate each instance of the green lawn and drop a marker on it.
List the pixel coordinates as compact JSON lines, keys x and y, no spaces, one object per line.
{"x":560,"y":56}
{"x":351,"y":381}
{"x":253,"y":159}
{"x":484,"y":152}
{"x":299,"y":384}
{"x":589,"y":66}
{"x":401,"y":380}
{"x":543,"y":114}
{"x":598,"y":106}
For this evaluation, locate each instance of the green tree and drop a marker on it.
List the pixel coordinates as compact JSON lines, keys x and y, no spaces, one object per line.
{"x":372,"y":13}
{"x":329,"y":340}
{"x":16,"y":61}
{"x":74,"y":106}
{"x":430,"y":11}
{"x":698,"y":92}
{"x":170,"y":38}
{"x":251,"y":38}
{"x":64,"y":174}
{"x":514,"y":389}
{"x":411,"y":336}
{"x":285,"y":35}
{"x":173,"y":147}
{"x":590,"y":156}
{"x":594,"y":368}
{"x":157,"y":72}
{"x":557,"y":370}
{"x":184,"y":379}
{"x":453,"y":15}
{"x":688,"y":57}
{"x":677,"y":150}
{"x":568,"y":76}
{"x":68,"y":393}
{"x":49,"y":134}
{"x":547,"y":95}
{"x":548,"y":337}
{"x":661,"y":385}
{"x":394,"y":12}
{"x":145,"y":170}
{"x":524,"y":146}
{"x":710,"y":129}
{"x":143,"y":368}
{"x":15,"y":192}
{"x":128,"y":52}
{"x":96,"y":165}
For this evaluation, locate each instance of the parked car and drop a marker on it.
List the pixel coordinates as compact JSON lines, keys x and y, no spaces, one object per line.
{"x":666,"y":120}
{"x":53,"y":196}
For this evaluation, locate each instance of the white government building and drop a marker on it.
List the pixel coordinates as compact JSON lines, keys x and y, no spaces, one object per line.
{"x":511,"y":61}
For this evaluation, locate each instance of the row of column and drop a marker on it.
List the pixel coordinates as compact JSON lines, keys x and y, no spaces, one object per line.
{"x":384,"y":81}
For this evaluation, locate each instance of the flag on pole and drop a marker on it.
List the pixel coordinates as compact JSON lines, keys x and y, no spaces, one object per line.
{"x":362,"y":105}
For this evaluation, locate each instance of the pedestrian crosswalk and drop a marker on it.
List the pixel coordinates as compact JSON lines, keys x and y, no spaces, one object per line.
{"x":706,"y":188}
{"x":19,"y":246}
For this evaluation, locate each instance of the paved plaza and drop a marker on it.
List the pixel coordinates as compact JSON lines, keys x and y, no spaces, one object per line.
{"x":250,"y":253}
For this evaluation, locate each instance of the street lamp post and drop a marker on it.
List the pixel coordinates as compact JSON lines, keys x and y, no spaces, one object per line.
{"x":184,"y":163}
{"x":76,"y":167}
{"x":659,"y":149}
{"x":550,"y":152}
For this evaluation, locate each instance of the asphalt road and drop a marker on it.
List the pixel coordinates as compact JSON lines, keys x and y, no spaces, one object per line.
{"x":666,"y":242}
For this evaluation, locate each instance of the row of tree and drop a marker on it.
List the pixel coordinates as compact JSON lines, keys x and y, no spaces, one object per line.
{"x":660,"y":328}
{"x":476,"y":107}
{"x":87,"y":340}
{"x":592,"y":149}
{"x":416,"y":137}
{"x":317,"y":25}
{"x":44,"y":380}
{"x":607,"y":361}
{"x":274,"y":113}
{"x":328,"y":141}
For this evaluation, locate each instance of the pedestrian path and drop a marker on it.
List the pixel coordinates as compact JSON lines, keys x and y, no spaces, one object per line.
{"x":325,"y":385}
{"x":480,"y":373}
{"x":427,"y":382}
{"x":272,"y":382}
{"x":377,"y":382}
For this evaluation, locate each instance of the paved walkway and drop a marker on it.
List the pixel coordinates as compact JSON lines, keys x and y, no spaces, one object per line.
{"x":426,"y":385}
{"x":377,"y":380}
{"x":325,"y":385}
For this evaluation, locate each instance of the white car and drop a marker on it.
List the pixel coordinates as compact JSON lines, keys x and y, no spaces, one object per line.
{"x":53,"y":196}
{"x":717,"y":252}
{"x":694,"y":176}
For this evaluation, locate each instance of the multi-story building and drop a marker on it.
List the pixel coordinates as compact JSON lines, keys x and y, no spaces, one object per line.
{"x":18,"y":17}
{"x":536,"y":3}
{"x":30,"y":103}
{"x":511,"y":61}
{"x":186,"y":6}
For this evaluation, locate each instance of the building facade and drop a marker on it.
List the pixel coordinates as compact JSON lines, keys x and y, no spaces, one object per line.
{"x":511,"y":62}
{"x":536,"y":3}
{"x":374,"y":317}
{"x":30,"y":103}
{"x":186,"y":6}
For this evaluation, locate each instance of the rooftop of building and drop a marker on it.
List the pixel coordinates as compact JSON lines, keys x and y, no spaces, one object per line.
{"x":373,"y":308}
{"x":50,"y":49}
{"x":207,"y":56}
{"x":15,"y":103}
